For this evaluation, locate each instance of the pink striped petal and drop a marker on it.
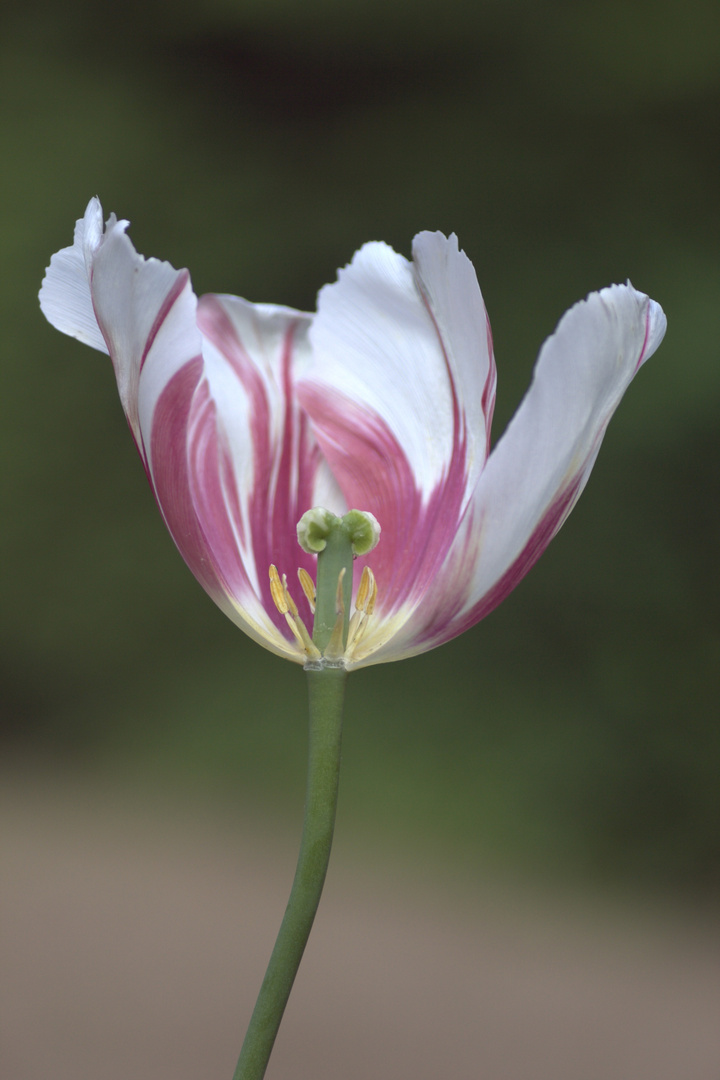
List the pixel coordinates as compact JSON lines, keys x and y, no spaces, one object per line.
{"x":256,"y":465}
{"x":401,"y":392}
{"x":539,"y":468}
{"x":541,"y":465}
{"x":186,"y":403}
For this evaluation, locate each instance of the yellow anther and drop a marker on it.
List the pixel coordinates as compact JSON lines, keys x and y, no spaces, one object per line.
{"x":286,"y":606}
{"x":367,"y":593}
{"x":308,"y":587}
{"x":364,"y":604}
{"x":336,"y":649}
{"x":278,"y":591}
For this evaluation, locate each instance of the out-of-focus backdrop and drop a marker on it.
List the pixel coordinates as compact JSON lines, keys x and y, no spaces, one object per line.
{"x":260,"y":144}
{"x":572,"y":735}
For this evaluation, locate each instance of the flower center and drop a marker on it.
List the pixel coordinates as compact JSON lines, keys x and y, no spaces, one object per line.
{"x":336,"y":542}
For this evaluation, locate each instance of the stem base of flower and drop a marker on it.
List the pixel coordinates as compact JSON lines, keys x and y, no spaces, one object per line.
{"x":326,"y":694}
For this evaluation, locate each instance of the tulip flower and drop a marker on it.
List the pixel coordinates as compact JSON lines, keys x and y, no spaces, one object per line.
{"x":354,"y":446}
{"x":248,"y":415}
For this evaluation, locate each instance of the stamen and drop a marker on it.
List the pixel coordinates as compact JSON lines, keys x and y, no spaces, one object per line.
{"x":335,"y":650}
{"x":286,"y":606}
{"x":364,"y":605}
{"x":297,"y":633}
{"x":308,"y":587}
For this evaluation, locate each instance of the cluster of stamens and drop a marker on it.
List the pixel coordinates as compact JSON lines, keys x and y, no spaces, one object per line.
{"x":337,"y":651}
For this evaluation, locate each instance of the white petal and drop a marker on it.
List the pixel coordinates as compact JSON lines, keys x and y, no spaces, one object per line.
{"x":375,"y":343}
{"x":146,"y":310}
{"x":448,"y":282}
{"x":537,"y":471}
{"x":65,"y":297}
{"x":540,"y":466}
{"x":400,"y":393}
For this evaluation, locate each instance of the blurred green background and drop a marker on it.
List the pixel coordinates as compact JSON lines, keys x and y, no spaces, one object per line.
{"x":575,"y":731}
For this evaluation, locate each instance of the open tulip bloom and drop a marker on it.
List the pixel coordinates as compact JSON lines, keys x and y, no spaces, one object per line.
{"x":262,"y":429}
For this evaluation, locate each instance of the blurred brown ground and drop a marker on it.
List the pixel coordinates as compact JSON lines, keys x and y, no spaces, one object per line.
{"x":135,"y":937}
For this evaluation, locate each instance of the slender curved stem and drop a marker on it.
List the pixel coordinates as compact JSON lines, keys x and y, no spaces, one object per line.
{"x":326,"y":691}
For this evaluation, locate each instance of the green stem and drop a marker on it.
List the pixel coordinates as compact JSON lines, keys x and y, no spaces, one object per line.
{"x":326,"y":691}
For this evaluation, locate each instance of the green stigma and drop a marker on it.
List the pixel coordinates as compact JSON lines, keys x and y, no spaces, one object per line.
{"x":358,"y":527}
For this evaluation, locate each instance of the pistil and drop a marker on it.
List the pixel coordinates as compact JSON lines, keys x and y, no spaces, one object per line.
{"x":336,"y":542}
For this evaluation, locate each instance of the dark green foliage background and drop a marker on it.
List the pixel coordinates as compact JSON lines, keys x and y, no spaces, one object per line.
{"x":569,"y":145}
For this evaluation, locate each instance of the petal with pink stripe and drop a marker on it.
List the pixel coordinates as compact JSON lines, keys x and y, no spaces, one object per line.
{"x":400,"y":393}
{"x":256,"y":465}
{"x":539,"y":468}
